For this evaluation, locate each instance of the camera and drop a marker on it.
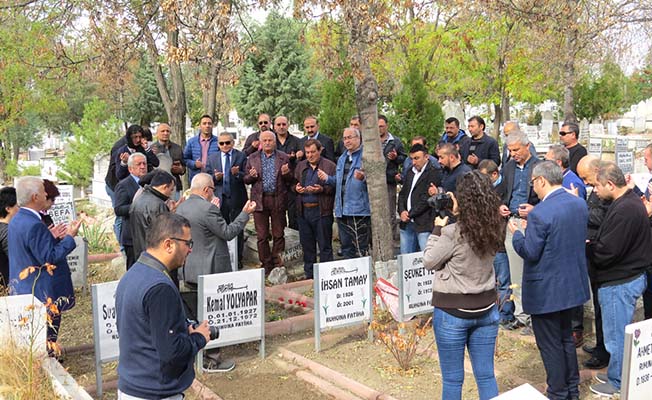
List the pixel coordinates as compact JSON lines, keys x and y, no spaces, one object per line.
{"x":213,"y":332}
{"x":441,"y":202}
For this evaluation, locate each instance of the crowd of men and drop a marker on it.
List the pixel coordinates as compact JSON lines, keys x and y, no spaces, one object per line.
{"x":560,"y":243}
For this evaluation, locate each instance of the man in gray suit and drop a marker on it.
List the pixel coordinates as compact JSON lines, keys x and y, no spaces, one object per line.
{"x":210,"y":255}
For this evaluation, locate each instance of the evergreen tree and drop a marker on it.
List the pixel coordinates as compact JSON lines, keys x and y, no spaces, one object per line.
{"x":413,"y":112}
{"x":147,"y":105}
{"x":275,"y":78}
{"x":337,"y":106}
{"x":94,"y":135}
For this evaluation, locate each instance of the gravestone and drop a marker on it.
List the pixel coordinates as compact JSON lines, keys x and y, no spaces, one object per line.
{"x":595,"y":147}
{"x":233,"y":302}
{"x":105,"y":331}
{"x":596,"y":129}
{"x":342,"y":294}
{"x":637,"y":362}
{"x":624,"y":157}
{"x":63,"y":209}
{"x":584,"y":128}
{"x":415,"y":286}
{"x":22,"y":319}
{"x":78,"y":263}
{"x":454,"y":109}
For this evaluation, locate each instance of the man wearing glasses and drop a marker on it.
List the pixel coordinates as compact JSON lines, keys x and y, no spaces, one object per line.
{"x":519,"y":199}
{"x":568,"y":136}
{"x":252,"y":144}
{"x":157,"y":345}
{"x":554,"y":276}
{"x":211,"y":232}
{"x":227,"y":168}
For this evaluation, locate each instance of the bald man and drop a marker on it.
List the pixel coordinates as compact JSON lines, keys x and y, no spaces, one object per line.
{"x":587,"y":168}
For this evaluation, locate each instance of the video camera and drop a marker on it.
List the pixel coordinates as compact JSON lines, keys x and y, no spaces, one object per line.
{"x":441,"y":202}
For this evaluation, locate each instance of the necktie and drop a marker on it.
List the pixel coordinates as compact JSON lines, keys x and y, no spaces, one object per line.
{"x":227,"y":175}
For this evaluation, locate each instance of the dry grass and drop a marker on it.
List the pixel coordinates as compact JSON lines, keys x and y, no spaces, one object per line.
{"x":22,"y":379}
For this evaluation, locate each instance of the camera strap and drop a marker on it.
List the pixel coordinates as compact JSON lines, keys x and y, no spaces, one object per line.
{"x":151,"y":262}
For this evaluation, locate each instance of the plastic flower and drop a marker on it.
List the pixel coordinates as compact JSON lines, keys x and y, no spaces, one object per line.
{"x":50,"y":268}
{"x":26,"y":272}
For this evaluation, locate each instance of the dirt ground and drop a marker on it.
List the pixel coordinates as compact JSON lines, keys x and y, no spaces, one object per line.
{"x":347,"y":351}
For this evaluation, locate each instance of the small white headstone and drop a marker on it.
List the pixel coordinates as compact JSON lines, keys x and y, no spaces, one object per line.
{"x":415,"y":285}
{"x":344,"y":292}
{"x":596,"y":129}
{"x":637,"y":361}
{"x":78,"y":263}
{"x":22,"y":318}
{"x":63,"y":209}
{"x":104,"y":321}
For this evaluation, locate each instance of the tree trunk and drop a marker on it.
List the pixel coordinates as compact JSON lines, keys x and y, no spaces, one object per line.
{"x":569,"y":75}
{"x":366,"y":94}
{"x":174,"y":101}
{"x":498,"y":119}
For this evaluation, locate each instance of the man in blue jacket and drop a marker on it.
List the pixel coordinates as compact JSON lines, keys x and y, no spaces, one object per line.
{"x":352,"y":208}
{"x":555,"y":278}
{"x":32,"y":245}
{"x":199,"y":147}
{"x":157,"y":345}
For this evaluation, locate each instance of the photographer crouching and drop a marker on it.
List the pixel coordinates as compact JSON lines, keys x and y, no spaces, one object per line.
{"x":158,"y":344}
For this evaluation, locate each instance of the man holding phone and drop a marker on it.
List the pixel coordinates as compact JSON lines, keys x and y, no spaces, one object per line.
{"x":518,"y":201}
{"x":170,"y":156}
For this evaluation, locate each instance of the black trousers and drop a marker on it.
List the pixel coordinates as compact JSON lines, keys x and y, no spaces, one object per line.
{"x":554,"y":335}
{"x":129,"y":252}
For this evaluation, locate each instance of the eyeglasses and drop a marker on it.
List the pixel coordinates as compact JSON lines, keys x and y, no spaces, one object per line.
{"x":263,"y":122}
{"x":563,"y":133}
{"x":225,"y":143}
{"x":533,"y":180}
{"x":188,"y":242}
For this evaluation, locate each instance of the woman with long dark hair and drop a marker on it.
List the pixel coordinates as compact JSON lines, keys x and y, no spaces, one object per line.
{"x":464,"y":287}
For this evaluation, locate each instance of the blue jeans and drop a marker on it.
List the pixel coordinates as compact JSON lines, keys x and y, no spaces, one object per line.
{"x":117,"y":223}
{"x":453,"y":335}
{"x":501,"y":268}
{"x":618,"y":304}
{"x":412,"y":241}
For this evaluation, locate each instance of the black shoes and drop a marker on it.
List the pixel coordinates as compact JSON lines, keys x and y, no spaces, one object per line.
{"x":595,"y":363}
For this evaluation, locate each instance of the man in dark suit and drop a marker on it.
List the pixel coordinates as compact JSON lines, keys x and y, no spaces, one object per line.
{"x":125,"y":191}
{"x":518,"y":200}
{"x":554,"y":275}
{"x":416,"y":215}
{"x":32,"y":245}
{"x":311,"y":127}
{"x":268,"y":172}
{"x":229,"y":184}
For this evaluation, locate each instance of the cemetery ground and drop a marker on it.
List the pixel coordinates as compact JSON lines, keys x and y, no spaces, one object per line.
{"x":345,"y":351}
